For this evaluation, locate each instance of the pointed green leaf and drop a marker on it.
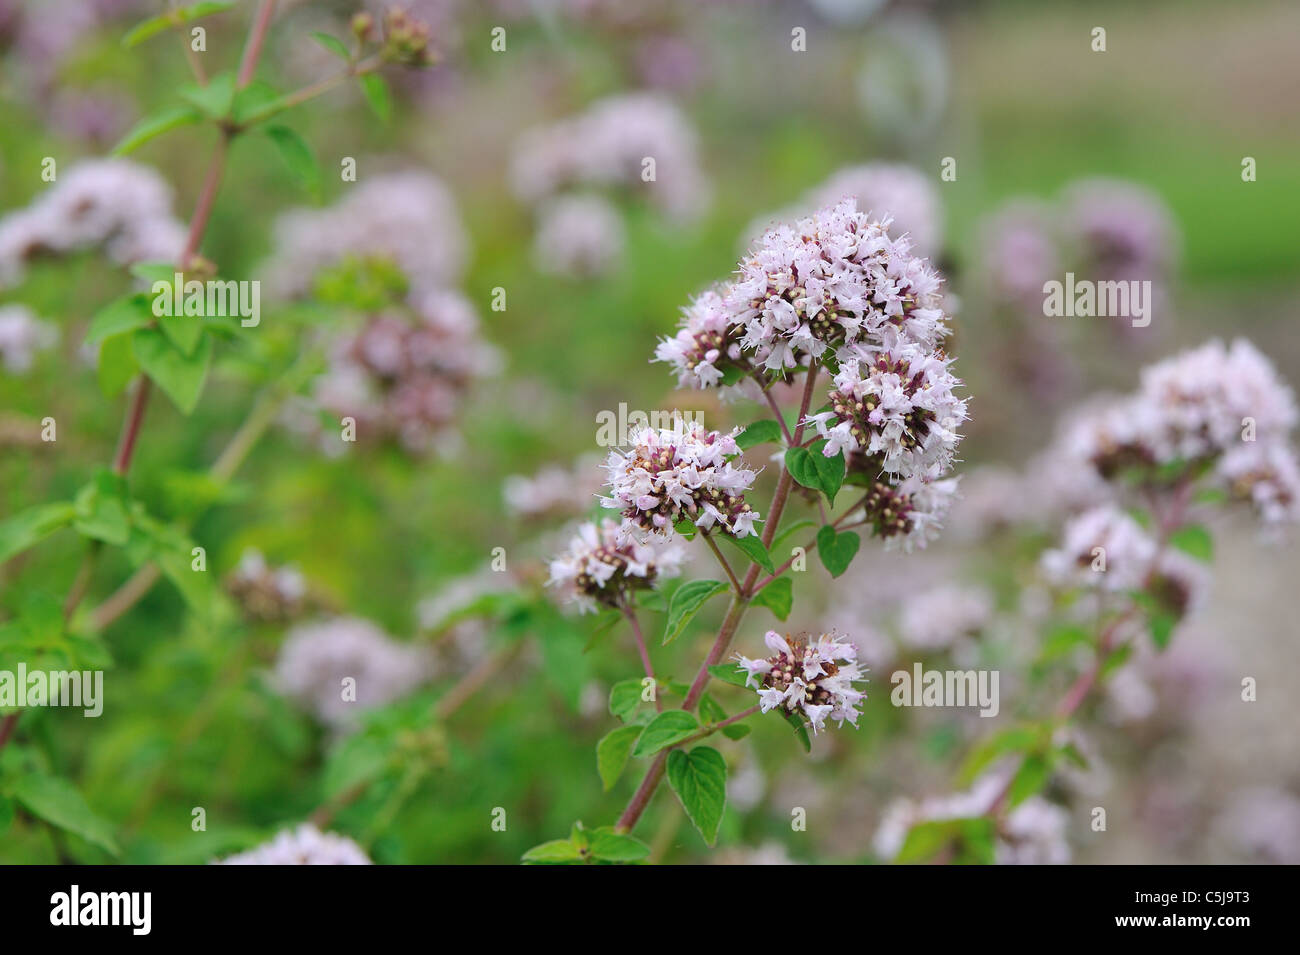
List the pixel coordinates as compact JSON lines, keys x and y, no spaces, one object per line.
{"x":699,"y":778}
{"x":669,"y":727}
{"x":612,"y":752}
{"x":153,"y":126}
{"x":778,"y":597}
{"x":179,"y":375}
{"x":686,"y":603}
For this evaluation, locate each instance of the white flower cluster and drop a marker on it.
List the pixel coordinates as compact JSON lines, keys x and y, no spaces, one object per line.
{"x":317,"y":657}
{"x":409,"y":218}
{"x":675,"y":473}
{"x":1102,"y":230}
{"x":910,"y":513}
{"x":1104,"y":548}
{"x":115,"y":203}
{"x":22,"y":334}
{"x":706,"y":346}
{"x":833,"y":279}
{"x":1219,"y":404}
{"x":579,"y":236}
{"x":602,"y":568}
{"x":305,"y":845}
{"x":938,"y":618}
{"x":608,"y":146}
{"x":266,"y":593}
{"x":814,"y":677}
{"x":903,"y":192}
{"x":895,"y":408}
{"x":1031,"y":834}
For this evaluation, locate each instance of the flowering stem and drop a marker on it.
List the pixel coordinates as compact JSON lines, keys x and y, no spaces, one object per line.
{"x":131,"y":426}
{"x":1090,"y":679}
{"x":253,"y":48}
{"x":635,"y":624}
{"x":839,"y":521}
{"x":731,"y":574}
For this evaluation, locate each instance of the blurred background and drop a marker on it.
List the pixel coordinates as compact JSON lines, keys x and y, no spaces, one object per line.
{"x":504,"y":175}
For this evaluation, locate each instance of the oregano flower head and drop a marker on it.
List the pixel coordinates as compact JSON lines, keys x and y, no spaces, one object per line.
{"x":602,"y":568}
{"x":814,"y":677}
{"x":684,"y":472}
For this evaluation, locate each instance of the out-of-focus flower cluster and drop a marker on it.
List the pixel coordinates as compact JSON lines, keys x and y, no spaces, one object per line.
{"x":1033,"y":833}
{"x":264,"y":593}
{"x":335,"y":668}
{"x":404,"y":374}
{"x":120,"y":205}
{"x":305,"y":845}
{"x":22,"y":335}
{"x":635,"y":142}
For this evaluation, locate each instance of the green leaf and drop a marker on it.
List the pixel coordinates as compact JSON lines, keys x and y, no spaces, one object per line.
{"x":155,"y":25}
{"x":184,"y":331}
{"x":752,"y":547}
{"x":666,"y":729}
{"x":181,"y":376}
{"x":830,"y":471}
{"x":728,"y":673}
{"x":763,"y":431}
{"x":102,"y":509}
{"x":117,"y":364}
{"x":624,"y":698}
{"x":736,"y":731}
{"x":686,"y":603}
{"x":255,"y":102}
{"x":610,"y":846}
{"x":699,"y":778}
{"x":1029,"y":780}
{"x":122,"y":315}
{"x":612,"y":752}
{"x":710,"y":710}
{"x":1014,"y":739}
{"x":789,"y":532}
{"x":837,"y":550}
{"x":1194,"y":540}
{"x":214,"y":100}
{"x":556,"y":852}
{"x":334,"y":45}
{"x":799,"y":462}
{"x":1062,"y":639}
{"x":172,"y":550}
{"x":298,"y":157}
{"x":6,"y":813}
{"x":58,"y":803}
{"x":778,"y":597}
{"x":30,"y":527}
{"x":153,"y":126}
{"x":1162,"y":626}
{"x":377,"y":95}
{"x":800,"y":729}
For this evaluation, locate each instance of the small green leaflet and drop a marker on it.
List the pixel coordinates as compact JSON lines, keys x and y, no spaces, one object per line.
{"x":58,"y":803}
{"x":153,"y":126}
{"x":612,"y":752}
{"x":179,"y":375}
{"x":666,"y":729}
{"x":155,"y":25}
{"x":334,"y":45}
{"x":752,"y":547}
{"x":837,"y":550}
{"x":30,"y":527}
{"x":778,"y":597}
{"x":763,"y":431}
{"x":1195,"y":541}
{"x":728,"y":673}
{"x":377,"y":95}
{"x":298,"y":157}
{"x":686,"y":603}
